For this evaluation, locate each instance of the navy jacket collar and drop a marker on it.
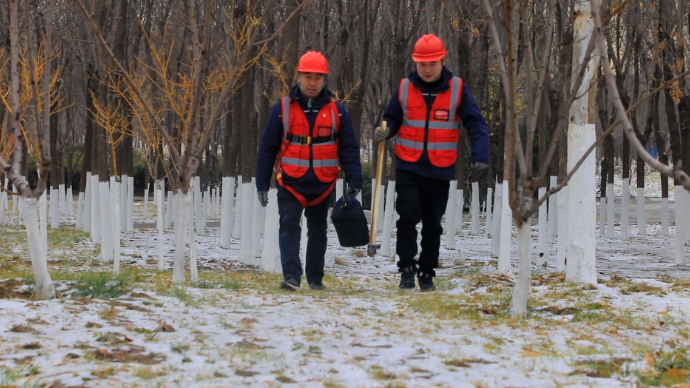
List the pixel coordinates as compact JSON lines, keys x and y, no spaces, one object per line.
{"x":446,"y":76}
{"x":316,"y":103}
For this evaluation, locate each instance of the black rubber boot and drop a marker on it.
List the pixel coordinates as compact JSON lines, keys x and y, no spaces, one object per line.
{"x":317,"y":286}
{"x":407,"y":277}
{"x":290,"y":285}
{"x":426,"y":281}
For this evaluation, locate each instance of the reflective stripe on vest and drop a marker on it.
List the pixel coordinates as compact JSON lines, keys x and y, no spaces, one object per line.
{"x":441,"y":142}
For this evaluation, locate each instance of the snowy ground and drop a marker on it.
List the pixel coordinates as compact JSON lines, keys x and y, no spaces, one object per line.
{"x":235,"y":328}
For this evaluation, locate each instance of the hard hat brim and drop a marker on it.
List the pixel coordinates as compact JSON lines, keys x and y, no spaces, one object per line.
{"x":428,"y":58}
{"x":308,"y":70}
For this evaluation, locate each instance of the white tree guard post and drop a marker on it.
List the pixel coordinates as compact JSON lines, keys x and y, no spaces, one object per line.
{"x":122,"y":205}
{"x":518,"y":305}
{"x":80,"y":211}
{"x":192,"y":245}
{"x":449,"y":241}
{"x":237,"y":225}
{"x":474,"y":209}
{"x":146,"y":202}
{"x":270,"y":255}
{"x":459,"y":211}
{"x":95,"y":210}
{"x":489,"y":206}
{"x":246,"y":241}
{"x":610,"y":215}
{"x":562,"y":227}
{"x":62,"y":200}
{"x":182,"y":208}
{"x":602,"y":216}
{"x":681,"y":224}
{"x":130,"y":204}
{"x":641,"y":215}
{"x":258,"y":219}
{"x":303,"y":242}
{"x":664,"y":216}
{"x":39,"y":256}
{"x":169,"y":210}
{"x":198,"y":216}
{"x":54,"y":208}
{"x":625,"y":213}
{"x":379,"y":213}
{"x":542,"y":246}
{"x":226,"y":215}
{"x":115,"y":216}
{"x":505,"y":242}
{"x":496,"y":221}
{"x":208,"y":207}
{"x":86,"y":206}
{"x":106,"y":223}
{"x":43,"y":220}
{"x":160,"y":223}
{"x":388,"y":219}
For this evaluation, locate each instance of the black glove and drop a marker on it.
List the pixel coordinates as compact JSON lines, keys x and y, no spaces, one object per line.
{"x":478,"y":165}
{"x":263,"y":197}
{"x":352,"y":192}
{"x":380,"y":135}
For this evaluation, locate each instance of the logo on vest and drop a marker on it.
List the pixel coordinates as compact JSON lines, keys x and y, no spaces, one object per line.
{"x":441,"y":114}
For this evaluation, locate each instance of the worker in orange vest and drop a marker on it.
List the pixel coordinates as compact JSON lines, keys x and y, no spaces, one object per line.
{"x":425,"y":112}
{"x":308,"y":137}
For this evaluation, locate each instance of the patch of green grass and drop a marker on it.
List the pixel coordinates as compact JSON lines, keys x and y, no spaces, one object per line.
{"x":668,"y":367}
{"x":602,"y":368}
{"x":101,"y":285}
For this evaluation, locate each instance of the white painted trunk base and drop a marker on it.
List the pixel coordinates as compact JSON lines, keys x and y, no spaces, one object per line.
{"x":459,"y":211}
{"x":474,"y":209}
{"x":542,"y":246}
{"x":39,"y":257}
{"x":625,"y":210}
{"x":379,"y":214}
{"x":43,"y":220}
{"x":183,"y":204}
{"x":641,"y":215}
{"x":552,"y":216}
{"x":106,"y":223}
{"x":54,"y":208}
{"x":602,"y":216}
{"x":95,"y":210}
{"x":70,"y":201}
{"x":681,"y":208}
{"x":86,"y":208}
{"x":664,"y":217}
{"x":62,"y":200}
{"x":80,"y":211}
{"x":115,"y":200}
{"x":504,"y":242}
{"x":270,"y":255}
{"x":258,"y":219}
{"x":146,"y":203}
{"x":303,"y":242}
{"x":246,"y":241}
{"x":192,"y":242}
{"x":169,"y":210}
{"x":610,"y":217}
{"x":489,"y":205}
{"x":130,"y":204}
{"x":388,"y":219}
{"x":339,"y":189}
{"x":198,"y":210}
{"x":160,"y":225}
{"x":518,"y":305}
{"x":237,"y":227}
{"x":496,"y":221}
{"x":449,"y":241}
{"x":122,"y":205}
{"x":562,"y":228}
{"x":226,"y":214}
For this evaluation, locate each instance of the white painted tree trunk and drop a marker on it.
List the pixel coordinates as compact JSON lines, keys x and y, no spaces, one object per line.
{"x":226,"y":215}
{"x":95,"y":210}
{"x":518,"y":305}
{"x":160,"y":223}
{"x":70,"y":201}
{"x":146,"y":203}
{"x":625,"y":210}
{"x":54,"y":208}
{"x":681,"y":226}
{"x":43,"y":220}
{"x":373,"y":186}
{"x":610,"y":215}
{"x":106,"y":223}
{"x":270,"y":255}
{"x":115,"y":201}
{"x":489,"y":210}
{"x":198,"y":210}
{"x":258,"y":219}
{"x":474,"y":207}
{"x":641,"y":215}
{"x":496,"y":221}
{"x":39,"y":256}
{"x":130,"y":204}
{"x":169,"y":212}
{"x":237,"y":227}
{"x":303,"y":242}
{"x":379,"y":213}
{"x":505,"y":241}
{"x":62,"y":199}
{"x":122,"y":205}
{"x":247,"y":242}
{"x":80,"y":211}
{"x":183,"y":205}
{"x":602,"y":216}
{"x":664,"y":216}
{"x":542,"y":246}
{"x":459,"y":211}
{"x":562,"y":227}
{"x":388,"y":220}
{"x":3,"y":202}
{"x":450,"y":216}
{"x":192,"y":244}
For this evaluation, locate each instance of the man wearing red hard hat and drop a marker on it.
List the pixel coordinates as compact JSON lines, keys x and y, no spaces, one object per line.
{"x":307,"y":138}
{"x":425,"y":113}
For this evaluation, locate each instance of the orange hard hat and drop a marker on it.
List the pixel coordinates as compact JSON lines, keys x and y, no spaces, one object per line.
{"x":429,"y":48}
{"x":312,"y":62}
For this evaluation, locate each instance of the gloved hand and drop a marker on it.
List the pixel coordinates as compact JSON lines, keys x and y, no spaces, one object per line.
{"x":478,"y":165}
{"x":263,"y":197}
{"x":352,"y":192}
{"x":380,"y":134}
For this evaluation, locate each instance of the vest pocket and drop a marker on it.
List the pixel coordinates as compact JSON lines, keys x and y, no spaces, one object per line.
{"x":325,"y":162}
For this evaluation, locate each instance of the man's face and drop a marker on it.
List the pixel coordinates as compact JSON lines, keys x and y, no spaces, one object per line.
{"x":430,"y":71}
{"x":311,"y":84}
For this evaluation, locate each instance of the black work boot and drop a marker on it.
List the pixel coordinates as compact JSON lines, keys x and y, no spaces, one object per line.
{"x":317,"y":286}
{"x":426,"y":281}
{"x":290,"y":284}
{"x":407,"y":277}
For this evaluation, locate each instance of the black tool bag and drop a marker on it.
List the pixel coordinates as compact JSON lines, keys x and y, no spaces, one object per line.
{"x":350,"y":223}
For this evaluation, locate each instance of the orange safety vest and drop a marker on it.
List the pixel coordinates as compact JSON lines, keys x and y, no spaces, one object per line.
{"x":303,"y":149}
{"x":442,"y":134}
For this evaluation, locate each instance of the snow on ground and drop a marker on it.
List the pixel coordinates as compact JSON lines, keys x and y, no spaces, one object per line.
{"x":235,"y":328}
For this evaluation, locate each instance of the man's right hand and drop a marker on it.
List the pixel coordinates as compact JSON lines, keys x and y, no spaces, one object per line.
{"x":263,"y":197}
{"x":380,"y":135}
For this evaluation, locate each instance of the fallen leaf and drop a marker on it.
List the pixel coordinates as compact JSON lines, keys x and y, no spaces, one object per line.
{"x":650,"y":359}
{"x":164,"y":327}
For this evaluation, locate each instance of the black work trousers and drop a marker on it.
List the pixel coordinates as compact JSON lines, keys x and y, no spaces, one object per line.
{"x":290,"y":211}
{"x":419,"y":199}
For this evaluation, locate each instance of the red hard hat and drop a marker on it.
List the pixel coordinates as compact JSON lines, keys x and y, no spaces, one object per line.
{"x":429,"y":48}
{"x":313,"y":62}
